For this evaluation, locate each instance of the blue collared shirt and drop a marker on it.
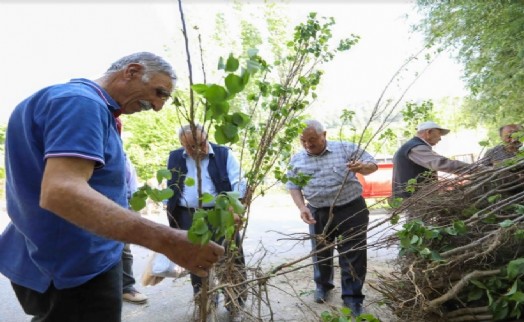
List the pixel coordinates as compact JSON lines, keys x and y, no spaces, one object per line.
{"x":189,"y":198}
{"x":39,"y":247}
{"x":327,"y":172}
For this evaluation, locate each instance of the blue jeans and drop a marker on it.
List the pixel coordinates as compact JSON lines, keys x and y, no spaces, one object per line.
{"x":349,"y":223}
{"x":99,"y":299}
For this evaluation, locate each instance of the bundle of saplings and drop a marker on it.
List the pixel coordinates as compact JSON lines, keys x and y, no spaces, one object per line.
{"x":461,"y":248}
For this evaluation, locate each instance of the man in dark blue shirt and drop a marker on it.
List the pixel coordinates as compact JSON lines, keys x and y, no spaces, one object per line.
{"x":66,"y":195}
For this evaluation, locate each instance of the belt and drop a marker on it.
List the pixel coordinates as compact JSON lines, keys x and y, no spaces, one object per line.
{"x":338,"y":206}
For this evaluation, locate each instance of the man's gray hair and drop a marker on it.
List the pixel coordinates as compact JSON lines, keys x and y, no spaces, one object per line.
{"x":316,"y":125}
{"x":187,"y":129}
{"x":151,"y":62}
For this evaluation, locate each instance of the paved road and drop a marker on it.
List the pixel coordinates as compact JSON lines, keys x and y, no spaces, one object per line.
{"x":171,"y":299}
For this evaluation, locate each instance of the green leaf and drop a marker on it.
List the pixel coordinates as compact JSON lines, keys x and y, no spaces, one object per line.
{"x":251,"y":52}
{"x":493,"y":198}
{"x":219,"y":109}
{"x":220,"y":137}
{"x":194,"y":238}
{"x":216,"y":94}
{"x":199,"y":226}
{"x":231,"y":64}
{"x":345,"y":311}
{"x":238,"y":207}
{"x":518,"y":297}
{"x":165,"y":194}
{"x":475,"y":294}
{"x":221,"y":64}
{"x":163,"y":174}
{"x":222,"y":202}
{"x":230,"y":231}
{"x":189,"y":182}
{"x":177,"y":102}
{"x":137,"y":203}
{"x":450,"y":231}
{"x":513,"y":288}
{"x":515,"y":268}
{"x":226,"y":218}
{"x":435,"y":256}
{"x":394,"y":219}
{"x":207,"y":197}
{"x":200,"y":88}
{"x":245,"y":76}
{"x":206,"y":238}
{"x":519,"y":209}
{"x":484,"y":143}
{"x":213,"y":217}
{"x":367,"y":317}
{"x":252,"y":66}
{"x":395,"y":202}
{"x":506,"y":223}
{"x":519,"y":234}
{"x":200,"y":213}
{"x":229,"y":130}
{"x":500,"y":309}
{"x":234,"y":83}
{"x":240,"y":119}
{"x":156,"y":194}
{"x":460,"y":227}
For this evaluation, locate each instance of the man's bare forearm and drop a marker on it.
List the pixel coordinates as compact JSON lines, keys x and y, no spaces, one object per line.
{"x":67,"y":194}
{"x":298,"y":198}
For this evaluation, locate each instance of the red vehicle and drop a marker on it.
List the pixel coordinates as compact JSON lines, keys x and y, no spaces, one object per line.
{"x":378,"y":183}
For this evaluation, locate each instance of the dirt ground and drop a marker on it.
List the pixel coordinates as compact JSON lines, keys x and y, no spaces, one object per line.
{"x":291,"y":298}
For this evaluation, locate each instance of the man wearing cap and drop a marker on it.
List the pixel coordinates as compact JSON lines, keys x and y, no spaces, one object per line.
{"x":416,"y":159}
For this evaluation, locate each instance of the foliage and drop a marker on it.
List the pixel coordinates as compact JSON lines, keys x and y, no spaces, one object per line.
{"x":461,"y":249}
{"x":257,"y":104}
{"x":487,"y":36}
{"x":218,"y":222}
{"x":138,"y":200}
{"x":344,"y":315}
{"x":415,"y":113}
{"x":284,"y":91}
{"x":215,"y":100}
{"x":417,"y":238}
{"x":503,"y":293}
{"x":148,"y":137}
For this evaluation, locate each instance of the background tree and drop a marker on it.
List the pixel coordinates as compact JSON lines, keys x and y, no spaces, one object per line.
{"x":486,"y":37}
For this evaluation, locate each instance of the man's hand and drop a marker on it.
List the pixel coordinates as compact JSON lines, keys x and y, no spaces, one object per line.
{"x":306,"y":216}
{"x":362,"y":167}
{"x":196,"y":258}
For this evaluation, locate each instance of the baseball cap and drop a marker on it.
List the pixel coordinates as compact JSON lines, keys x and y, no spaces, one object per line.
{"x":431,"y":125}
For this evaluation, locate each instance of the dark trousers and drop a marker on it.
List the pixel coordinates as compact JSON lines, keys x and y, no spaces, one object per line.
{"x":182,"y":218}
{"x":97,"y":300}
{"x":349,"y":223}
{"x":128,"y":280}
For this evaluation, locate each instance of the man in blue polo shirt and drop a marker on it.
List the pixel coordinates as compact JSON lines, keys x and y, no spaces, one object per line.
{"x":66,"y":195}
